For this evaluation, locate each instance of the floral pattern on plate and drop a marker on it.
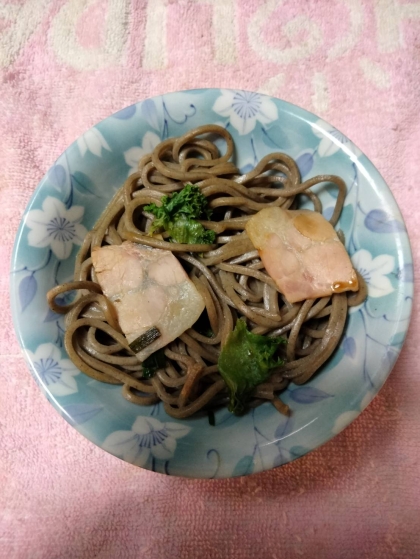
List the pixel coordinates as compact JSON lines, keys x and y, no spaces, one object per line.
{"x":332,"y":140}
{"x":148,"y":439}
{"x":70,"y":199}
{"x":55,"y":374}
{"x":92,"y":141}
{"x":133,"y":155}
{"x":56,"y":227}
{"x":375,"y":271}
{"x":244,"y":109}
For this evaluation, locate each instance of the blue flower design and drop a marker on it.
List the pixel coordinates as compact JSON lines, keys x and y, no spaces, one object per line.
{"x":56,"y":226}
{"x":332,"y":140}
{"x":148,"y":437}
{"x":244,"y":108}
{"x":374,"y":271}
{"x":55,"y":374}
{"x":92,"y":141}
{"x":133,"y":155}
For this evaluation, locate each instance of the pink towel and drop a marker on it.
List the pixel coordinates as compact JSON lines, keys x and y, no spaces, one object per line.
{"x":64,"y":65}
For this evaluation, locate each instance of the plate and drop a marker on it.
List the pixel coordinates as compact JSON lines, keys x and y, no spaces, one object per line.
{"x":74,"y":192}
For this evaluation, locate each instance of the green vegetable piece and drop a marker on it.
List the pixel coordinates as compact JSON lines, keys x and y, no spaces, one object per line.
{"x":145,"y":339}
{"x":246,"y":361}
{"x":212,"y":418}
{"x":153,"y":363}
{"x":184,"y":230}
{"x":178,"y":214}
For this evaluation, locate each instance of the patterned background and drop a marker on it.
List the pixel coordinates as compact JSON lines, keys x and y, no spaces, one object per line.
{"x":64,"y":65}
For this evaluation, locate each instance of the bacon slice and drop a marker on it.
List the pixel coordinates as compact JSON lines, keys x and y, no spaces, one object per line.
{"x":149,"y":288}
{"x":302,"y":253}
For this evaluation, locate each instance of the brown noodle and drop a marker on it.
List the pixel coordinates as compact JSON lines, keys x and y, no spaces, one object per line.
{"x":229,"y":275}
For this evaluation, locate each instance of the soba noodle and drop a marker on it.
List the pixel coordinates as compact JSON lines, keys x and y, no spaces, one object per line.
{"x":229,"y":275}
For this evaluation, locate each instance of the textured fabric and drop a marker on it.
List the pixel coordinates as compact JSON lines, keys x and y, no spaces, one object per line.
{"x":66,"y":64}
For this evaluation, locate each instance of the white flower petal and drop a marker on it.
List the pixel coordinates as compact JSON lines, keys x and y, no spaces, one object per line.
{"x":100,"y":138}
{"x":45,"y":227}
{"x":141,"y":457}
{"x":36,"y":218}
{"x":362,"y":259}
{"x":382,"y":264}
{"x":39,"y":237}
{"x":327,"y":147}
{"x":145,"y":425}
{"x":132,"y":157}
{"x":53,"y":207}
{"x":75,"y":214}
{"x":319,"y":127}
{"x":244,"y":109}
{"x":61,"y":249}
{"x":343,"y":420}
{"x":177,"y":430}
{"x":332,"y":140}
{"x":93,"y":143}
{"x":133,"y":452}
{"x":374,"y":270}
{"x":48,"y":351}
{"x":64,"y":387}
{"x":164,"y":450}
{"x":223,"y":104}
{"x":228,"y":94}
{"x":379,"y":285}
{"x":80,"y":233}
{"x":56,"y":374}
{"x":120,"y":442}
{"x":69,"y":368}
{"x":242,"y":125}
{"x":128,"y":444}
{"x":81,"y":144}
{"x":150,"y":141}
{"x":268,"y":111}
{"x":125,"y":445}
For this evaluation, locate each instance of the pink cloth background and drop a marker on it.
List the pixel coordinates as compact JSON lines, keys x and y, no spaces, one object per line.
{"x":66,"y":64}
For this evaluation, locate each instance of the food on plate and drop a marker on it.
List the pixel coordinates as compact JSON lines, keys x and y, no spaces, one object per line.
{"x":301,"y":251}
{"x":245,"y":362}
{"x":151,"y":293}
{"x":201,"y":286}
